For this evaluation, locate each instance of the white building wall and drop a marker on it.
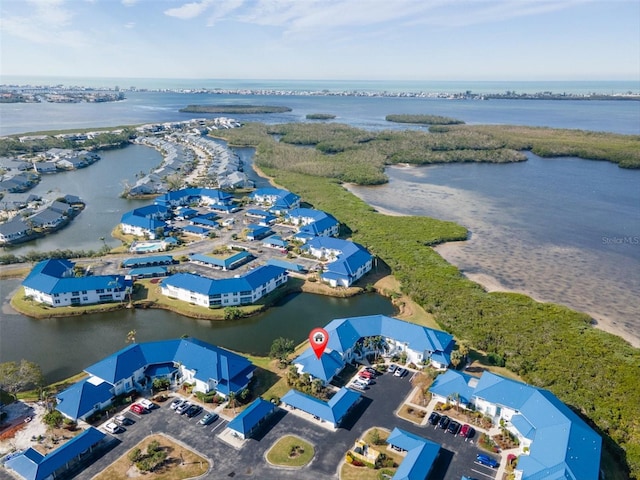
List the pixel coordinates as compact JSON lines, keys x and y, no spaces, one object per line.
{"x":138,"y":231}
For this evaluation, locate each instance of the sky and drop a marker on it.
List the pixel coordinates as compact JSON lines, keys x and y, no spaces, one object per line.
{"x":322,"y":39}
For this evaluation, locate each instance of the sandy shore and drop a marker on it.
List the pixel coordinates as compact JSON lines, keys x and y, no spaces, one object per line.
{"x":491,"y":284}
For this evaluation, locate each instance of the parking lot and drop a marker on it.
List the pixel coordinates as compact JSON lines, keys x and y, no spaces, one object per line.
{"x":380,"y":400}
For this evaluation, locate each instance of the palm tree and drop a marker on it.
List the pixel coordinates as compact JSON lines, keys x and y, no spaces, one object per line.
{"x":232,"y":401}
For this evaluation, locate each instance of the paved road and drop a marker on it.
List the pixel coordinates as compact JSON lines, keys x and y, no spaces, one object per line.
{"x":376,"y":409}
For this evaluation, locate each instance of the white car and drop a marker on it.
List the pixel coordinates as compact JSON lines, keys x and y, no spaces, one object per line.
{"x":148,"y":404}
{"x":176,"y":403}
{"x":112,"y":427}
{"x":399,"y":372}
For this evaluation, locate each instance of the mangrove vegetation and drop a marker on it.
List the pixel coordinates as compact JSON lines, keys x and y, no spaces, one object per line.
{"x":423,"y":119}
{"x":550,"y":346}
{"x":320,"y":116}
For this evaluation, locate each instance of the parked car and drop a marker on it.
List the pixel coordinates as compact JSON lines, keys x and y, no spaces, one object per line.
{"x":183,"y":407}
{"x":112,"y":427}
{"x":391,"y":368}
{"x":486,"y":460}
{"x":193,"y":411}
{"x":454,"y":427}
{"x":371,"y":370}
{"x":148,"y":404}
{"x":176,"y":403}
{"x":209,"y":418}
{"x":467,"y":431}
{"x":366,"y":374}
{"x":122,"y":420}
{"x":444,"y":422}
{"x":434,"y":418}
{"x":399,"y":372}
{"x":358,"y":386}
{"x":137,"y":408}
{"x":364,"y":380}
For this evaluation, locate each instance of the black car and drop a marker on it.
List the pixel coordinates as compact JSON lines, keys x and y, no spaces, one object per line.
{"x":454,"y":427}
{"x":193,"y":411}
{"x":444,"y":422}
{"x":434,"y":418}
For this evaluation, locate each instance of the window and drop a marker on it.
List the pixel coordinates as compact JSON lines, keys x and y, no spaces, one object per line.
{"x":85,"y":299}
{"x":56,"y":301}
{"x":100,"y":290}
{"x":84,"y":292}
{"x":75,"y":294}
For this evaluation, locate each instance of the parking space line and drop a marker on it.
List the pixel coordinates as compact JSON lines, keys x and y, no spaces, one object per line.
{"x":482,"y":473}
{"x":214,"y":428}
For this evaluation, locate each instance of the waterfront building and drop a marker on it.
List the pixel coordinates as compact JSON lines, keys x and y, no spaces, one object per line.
{"x":348,"y":342}
{"x":277,"y":199}
{"x":346,"y":261}
{"x":145,"y":221}
{"x":209,"y":292}
{"x":420,"y":458}
{"x":554,"y":441}
{"x":313,"y":223}
{"x":134,"y":368}
{"x":14,"y":230}
{"x":251,"y":418}
{"x":54,"y":282}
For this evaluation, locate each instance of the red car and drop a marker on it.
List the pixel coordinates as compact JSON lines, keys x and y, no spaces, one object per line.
{"x":137,"y":408}
{"x":366,"y":374}
{"x":467,"y":431}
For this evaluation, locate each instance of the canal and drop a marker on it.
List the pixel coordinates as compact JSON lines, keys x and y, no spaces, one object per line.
{"x":65,"y":346}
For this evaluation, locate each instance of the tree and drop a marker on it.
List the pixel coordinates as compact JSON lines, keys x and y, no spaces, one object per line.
{"x":456,"y":358}
{"x":281,"y":348}
{"x":15,"y":377}
{"x":232,"y":401}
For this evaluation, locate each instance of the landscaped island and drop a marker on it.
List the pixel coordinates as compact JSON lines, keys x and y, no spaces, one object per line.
{"x":234,"y":109}
{"x":423,"y":119}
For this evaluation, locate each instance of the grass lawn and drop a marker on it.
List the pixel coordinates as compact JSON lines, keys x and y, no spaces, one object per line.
{"x":281,"y":452}
{"x":349,"y":472}
{"x":180,"y":463}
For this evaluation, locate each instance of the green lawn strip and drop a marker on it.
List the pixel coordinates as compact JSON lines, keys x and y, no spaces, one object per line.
{"x":281,"y":452}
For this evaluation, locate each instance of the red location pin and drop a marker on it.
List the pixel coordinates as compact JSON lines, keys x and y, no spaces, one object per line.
{"x":318,"y":339}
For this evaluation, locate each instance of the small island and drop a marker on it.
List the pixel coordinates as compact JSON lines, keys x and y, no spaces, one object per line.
{"x":234,"y":109}
{"x":320,"y":116}
{"x":423,"y":119}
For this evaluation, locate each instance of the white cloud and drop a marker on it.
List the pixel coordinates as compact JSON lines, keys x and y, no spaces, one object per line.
{"x":221,"y":9}
{"x":48,"y":24}
{"x":129,"y":3}
{"x":129,"y":25}
{"x":189,"y":10}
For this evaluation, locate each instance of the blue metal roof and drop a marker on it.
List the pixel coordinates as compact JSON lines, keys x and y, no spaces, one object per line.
{"x":332,"y":411}
{"x":195,"y":229}
{"x":146,"y":271}
{"x":32,"y":465}
{"x":293,"y":267}
{"x":421,"y":455}
{"x":452,"y":382}
{"x":345,"y":332}
{"x":325,"y":368}
{"x":209,"y":286}
{"x":276,"y":240}
{"x":147,"y":261}
{"x":204,"y":221}
{"x":81,"y":397}
{"x":221,"y":262}
{"x":251,"y":416}
{"x":139,"y":221}
{"x":563,"y":445}
{"x":119,"y":365}
{"x":208,"y":361}
{"x":47,"y":277}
